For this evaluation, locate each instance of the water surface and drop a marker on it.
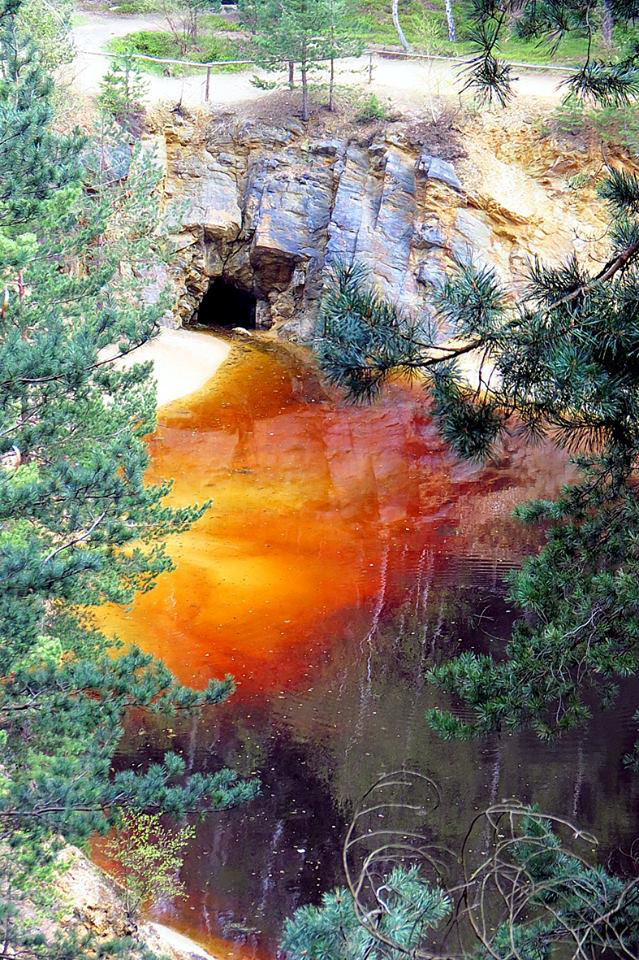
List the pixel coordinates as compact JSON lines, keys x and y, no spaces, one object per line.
{"x":344,"y":552}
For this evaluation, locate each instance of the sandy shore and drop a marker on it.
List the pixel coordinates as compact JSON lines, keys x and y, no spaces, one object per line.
{"x":183,"y":360}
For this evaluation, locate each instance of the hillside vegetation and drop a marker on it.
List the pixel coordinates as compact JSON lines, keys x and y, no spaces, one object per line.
{"x":224,"y":35}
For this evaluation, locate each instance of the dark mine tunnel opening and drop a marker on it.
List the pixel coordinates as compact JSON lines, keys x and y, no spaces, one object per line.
{"x":224,"y":305}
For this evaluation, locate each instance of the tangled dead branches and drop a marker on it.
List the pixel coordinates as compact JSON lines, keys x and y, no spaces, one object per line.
{"x":524,"y":884}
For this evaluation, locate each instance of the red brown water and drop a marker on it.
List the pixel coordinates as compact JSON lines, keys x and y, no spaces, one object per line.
{"x":345,"y":548}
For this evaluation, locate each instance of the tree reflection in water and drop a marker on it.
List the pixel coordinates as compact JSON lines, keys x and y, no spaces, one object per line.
{"x":344,"y":551}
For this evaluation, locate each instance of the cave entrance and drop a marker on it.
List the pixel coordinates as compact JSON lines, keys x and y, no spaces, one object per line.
{"x":224,"y":305}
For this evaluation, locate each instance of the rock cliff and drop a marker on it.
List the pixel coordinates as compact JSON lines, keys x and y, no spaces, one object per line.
{"x":268,"y":208}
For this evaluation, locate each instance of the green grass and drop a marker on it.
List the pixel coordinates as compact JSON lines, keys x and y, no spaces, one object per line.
{"x":571,"y":52}
{"x":375,"y":25}
{"x":161,"y":44}
{"x":220,"y":23}
{"x":133,"y":6}
{"x":423,"y":21}
{"x":614,"y":126}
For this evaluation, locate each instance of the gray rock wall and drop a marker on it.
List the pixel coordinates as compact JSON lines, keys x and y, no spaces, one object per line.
{"x":271,"y":209}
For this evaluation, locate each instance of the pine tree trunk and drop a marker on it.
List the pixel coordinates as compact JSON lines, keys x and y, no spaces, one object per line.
{"x":607,"y":24}
{"x":450,"y":17}
{"x":127,"y":88}
{"x":304,"y":92}
{"x":291,"y":74}
{"x":331,"y":86}
{"x":398,"y":26}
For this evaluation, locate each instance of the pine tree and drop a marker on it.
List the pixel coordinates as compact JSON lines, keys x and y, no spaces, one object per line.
{"x":334,"y":931}
{"x":341,"y":41}
{"x":532,"y":898}
{"x":299,"y":31}
{"x":559,"y":363}
{"x":50,"y":22}
{"x":78,"y":524}
{"x":613,"y":80}
{"x":123,"y":89}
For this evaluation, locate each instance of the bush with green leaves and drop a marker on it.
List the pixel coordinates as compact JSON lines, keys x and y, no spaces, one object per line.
{"x":570,"y":116}
{"x":579,"y":181}
{"x":617,"y":125}
{"x":425,"y":28}
{"x":150,"y":43}
{"x":214,"y":48}
{"x":150,"y":857}
{"x":371,"y":109}
{"x":50,"y":22}
{"x":183,"y":19}
{"x":135,"y":6}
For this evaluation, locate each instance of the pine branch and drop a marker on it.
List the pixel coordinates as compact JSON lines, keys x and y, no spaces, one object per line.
{"x":606,"y":273}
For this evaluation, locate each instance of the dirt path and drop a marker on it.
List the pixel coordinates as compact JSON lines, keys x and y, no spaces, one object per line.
{"x":92,"y":37}
{"x":409,"y":83}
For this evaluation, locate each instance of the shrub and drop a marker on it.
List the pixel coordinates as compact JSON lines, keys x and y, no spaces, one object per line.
{"x":569,"y":116}
{"x":218,"y":48}
{"x":619,"y":125}
{"x":134,"y":6}
{"x":371,"y":109}
{"x":150,"y":857}
{"x":425,"y":30}
{"x":151,"y":43}
{"x":579,"y":180}
{"x":220,"y":23}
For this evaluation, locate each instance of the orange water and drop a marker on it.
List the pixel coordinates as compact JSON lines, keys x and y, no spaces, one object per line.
{"x":309,"y":494}
{"x":325,"y":517}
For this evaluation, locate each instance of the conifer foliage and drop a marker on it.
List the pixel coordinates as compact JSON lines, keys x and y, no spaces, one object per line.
{"x":521,"y":887}
{"x":123,"y":91}
{"x":559,"y":363}
{"x":79,"y":526}
{"x":558,"y":904}
{"x":613,"y":79}
{"x":306,"y":32}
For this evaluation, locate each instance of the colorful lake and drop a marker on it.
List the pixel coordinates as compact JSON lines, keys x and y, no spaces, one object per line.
{"x":345,"y":551}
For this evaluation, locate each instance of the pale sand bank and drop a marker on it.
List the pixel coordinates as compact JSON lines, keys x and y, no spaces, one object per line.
{"x":183,"y":361}
{"x":92,"y":901}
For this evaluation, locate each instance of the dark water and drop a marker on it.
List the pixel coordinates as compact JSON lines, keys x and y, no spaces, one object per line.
{"x":345,"y":554}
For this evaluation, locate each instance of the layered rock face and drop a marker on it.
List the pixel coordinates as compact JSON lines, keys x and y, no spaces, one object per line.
{"x":269,"y":209}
